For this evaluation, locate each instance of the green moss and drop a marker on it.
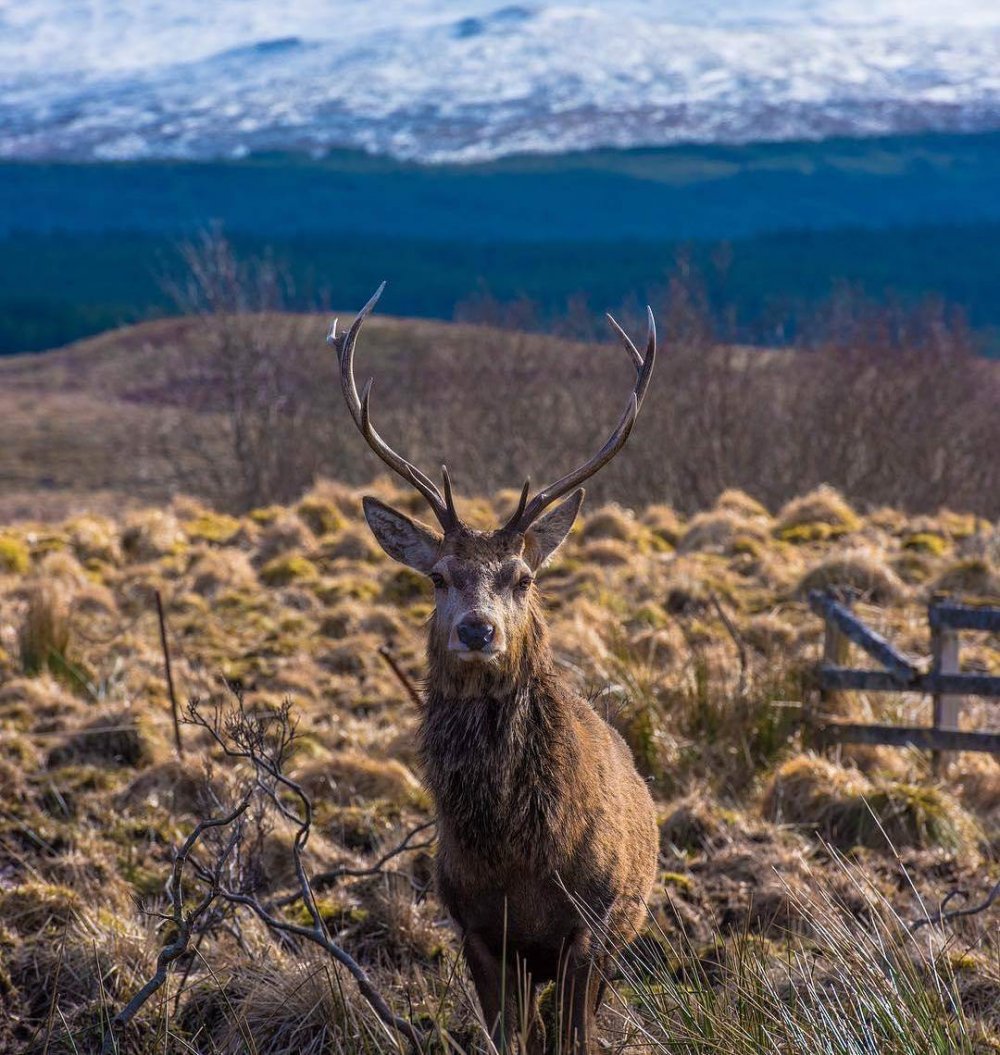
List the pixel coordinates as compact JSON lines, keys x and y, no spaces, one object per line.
{"x":405,"y":585}
{"x":217,"y":528}
{"x":925,"y":542}
{"x":321,"y":517}
{"x":34,"y":908}
{"x":798,"y":534}
{"x":15,"y":557}
{"x":677,"y":879}
{"x":335,"y":914}
{"x":292,"y":567}
{"x":347,"y":587}
{"x":266,"y":514}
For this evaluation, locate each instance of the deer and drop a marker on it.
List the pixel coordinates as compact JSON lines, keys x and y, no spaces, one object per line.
{"x":547,"y":836}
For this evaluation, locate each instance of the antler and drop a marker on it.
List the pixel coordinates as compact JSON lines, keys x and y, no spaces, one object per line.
{"x":527,"y":512}
{"x":360,"y":408}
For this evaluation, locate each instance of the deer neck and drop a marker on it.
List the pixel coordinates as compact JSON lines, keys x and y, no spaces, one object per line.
{"x":489,"y":740}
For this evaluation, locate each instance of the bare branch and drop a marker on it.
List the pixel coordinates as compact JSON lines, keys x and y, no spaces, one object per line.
{"x":169,"y":674}
{"x":737,"y":639}
{"x":184,"y":922}
{"x":264,"y":740}
{"x":325,"y":879}
{"x":944,"y":915}
{"x":411,"y":690}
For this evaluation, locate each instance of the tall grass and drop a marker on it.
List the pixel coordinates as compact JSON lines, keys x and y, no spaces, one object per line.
{"x":853,"y":987}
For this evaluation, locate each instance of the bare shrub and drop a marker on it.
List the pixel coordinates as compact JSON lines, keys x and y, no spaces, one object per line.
{"x":889,"y":406}
{"x":248,"y":413}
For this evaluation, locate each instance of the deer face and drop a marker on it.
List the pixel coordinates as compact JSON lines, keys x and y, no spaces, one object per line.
{"x":483,"y":583}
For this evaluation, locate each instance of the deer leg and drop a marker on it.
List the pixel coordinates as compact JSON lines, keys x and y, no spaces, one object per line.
{"x":578,"y":997}
{"x":533,"y":1028}
{"x":497,"y":994}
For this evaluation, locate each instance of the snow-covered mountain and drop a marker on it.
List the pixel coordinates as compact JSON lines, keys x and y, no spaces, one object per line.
{"x":467,"y":80}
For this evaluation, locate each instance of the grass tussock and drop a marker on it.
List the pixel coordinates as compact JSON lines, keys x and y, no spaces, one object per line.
{"x":816,"y":517}
{"x":860,"y":571}
{"x":848,"y":809}
{"x":44,"y":635}
{"x":700,"y":658}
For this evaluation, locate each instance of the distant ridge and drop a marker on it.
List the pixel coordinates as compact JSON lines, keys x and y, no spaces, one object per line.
{"x":471,"y":80}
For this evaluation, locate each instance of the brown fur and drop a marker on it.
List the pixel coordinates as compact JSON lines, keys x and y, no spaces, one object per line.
{"x":547,"y":835}
{"x":539,"y":802}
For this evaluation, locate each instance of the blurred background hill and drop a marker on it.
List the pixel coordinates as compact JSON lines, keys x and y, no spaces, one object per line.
{"x":561,"y":158}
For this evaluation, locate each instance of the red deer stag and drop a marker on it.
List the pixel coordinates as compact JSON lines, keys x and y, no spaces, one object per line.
{"x":540,"y":808}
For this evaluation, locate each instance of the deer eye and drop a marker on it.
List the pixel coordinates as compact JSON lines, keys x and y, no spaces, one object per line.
{"x":438,"y":580}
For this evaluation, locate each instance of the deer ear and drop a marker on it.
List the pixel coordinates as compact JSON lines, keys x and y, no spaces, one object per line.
{"x":402,"y":538}
{"x":549,"y":532}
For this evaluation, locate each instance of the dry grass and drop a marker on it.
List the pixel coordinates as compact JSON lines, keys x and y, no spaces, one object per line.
{"x":295,"y":602}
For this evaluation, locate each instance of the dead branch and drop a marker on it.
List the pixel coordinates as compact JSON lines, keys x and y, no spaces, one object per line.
{"x":169,"y":674}
{"x":411,"y":690}
{"x":264,"y":740}
{"x":324,"y":879}
{"x":946,"y":915}
{"x":737,"y":639}
{"x":184,"y":922}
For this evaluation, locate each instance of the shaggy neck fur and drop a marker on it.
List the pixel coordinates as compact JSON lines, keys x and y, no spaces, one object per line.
{"x":492,"y":740}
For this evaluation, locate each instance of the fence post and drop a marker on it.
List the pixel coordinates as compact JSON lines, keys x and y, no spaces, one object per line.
{"x":944,"y":652}
{"x":836,"y":652}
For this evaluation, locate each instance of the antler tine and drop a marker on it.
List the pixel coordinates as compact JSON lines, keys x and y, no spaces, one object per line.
{"x":360,"y":408}
{"x":614,"y":443}
{"x":449,"y":497}
{"x":521,"y":503}
{"x":626,"y":340}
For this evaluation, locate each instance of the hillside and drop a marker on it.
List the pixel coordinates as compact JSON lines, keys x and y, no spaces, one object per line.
{"x":245,"y":410}
{"x":87,"y":246}
{"x":774,"y":878}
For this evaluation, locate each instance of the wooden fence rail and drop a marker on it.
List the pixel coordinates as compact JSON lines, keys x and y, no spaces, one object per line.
{"x":944,"y":681}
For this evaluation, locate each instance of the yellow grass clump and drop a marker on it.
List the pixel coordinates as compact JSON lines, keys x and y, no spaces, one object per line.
{"x":44,"y":633}
{"x":95,"y":538}
{"x":719,"y":532}
{"x":149,"y":534}
{"x":216,"y":571}
{"x":609,"y":522}
{"x":216,"y":528}
{"x":860,"y":570}
{"x":322,"y":517}
{"x":847,"y":809}
{"x":348,"y":777}
{"x":117,"y":738}
{"x":821,"y":514}
{"x":975,"y":576}
{"x":288,"y":568}
{"x":663,"y":522}
{"x":744,"y":505}
{"x":15,"y":557}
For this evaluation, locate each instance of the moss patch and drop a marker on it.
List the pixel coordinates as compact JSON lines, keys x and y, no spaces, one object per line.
{"x":15,"y":557}
{"x":289,"y":568}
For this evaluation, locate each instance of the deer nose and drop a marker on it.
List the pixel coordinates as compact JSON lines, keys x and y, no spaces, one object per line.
{"x":475,"y":634}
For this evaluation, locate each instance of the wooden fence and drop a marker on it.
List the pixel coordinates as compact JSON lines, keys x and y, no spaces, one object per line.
{"x":944,"y":681}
